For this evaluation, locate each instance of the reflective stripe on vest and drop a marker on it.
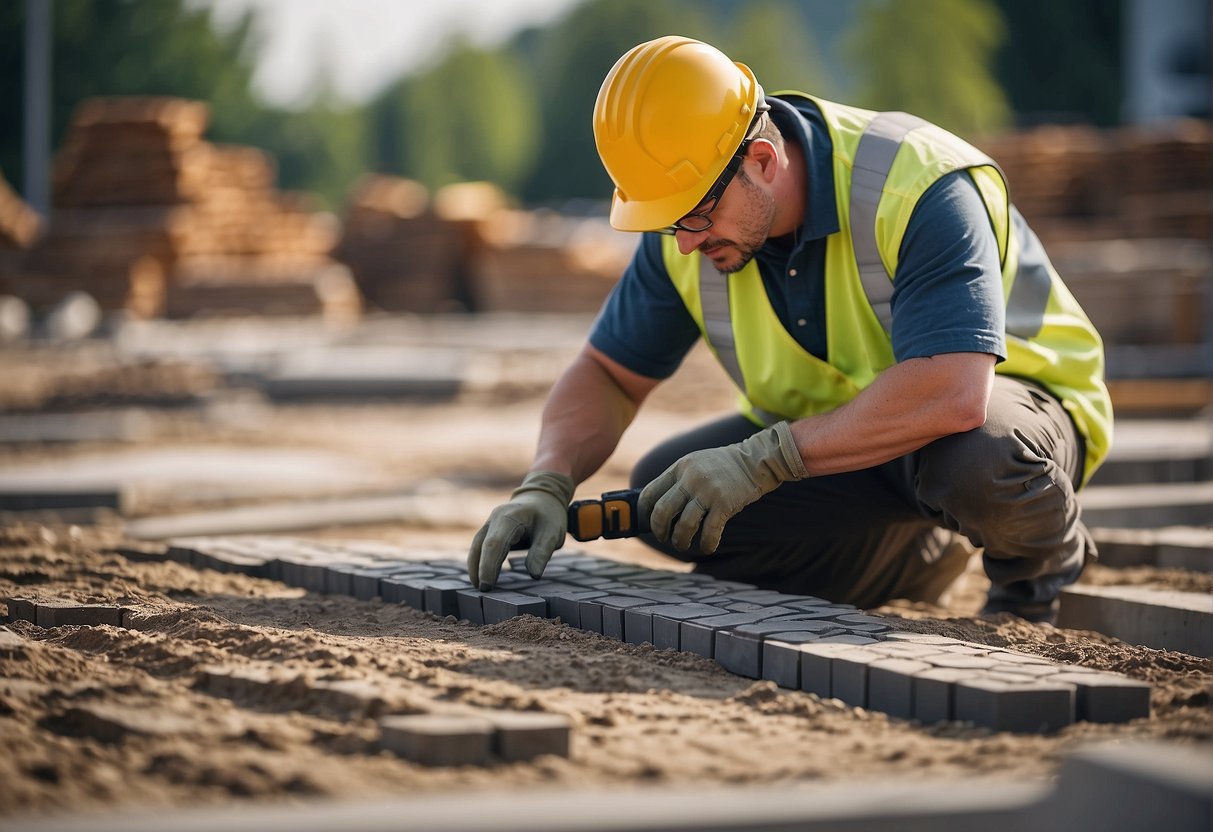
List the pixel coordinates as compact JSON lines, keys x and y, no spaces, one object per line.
{"x":718,"y":325}
{"x":878,"y":146}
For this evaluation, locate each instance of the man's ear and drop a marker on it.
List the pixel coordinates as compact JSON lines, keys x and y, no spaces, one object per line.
{"x":767,"y":157}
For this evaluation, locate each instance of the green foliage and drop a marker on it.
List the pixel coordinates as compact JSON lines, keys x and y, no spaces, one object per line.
{"x":932,"y":58}
{"x":774,"y":41}
{"x":473,"y":116}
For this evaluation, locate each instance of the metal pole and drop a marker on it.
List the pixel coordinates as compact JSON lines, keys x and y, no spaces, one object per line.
{"x":37,"y":149}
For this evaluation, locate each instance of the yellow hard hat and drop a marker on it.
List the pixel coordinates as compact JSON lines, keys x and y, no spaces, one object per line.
{"x":669,"y":116}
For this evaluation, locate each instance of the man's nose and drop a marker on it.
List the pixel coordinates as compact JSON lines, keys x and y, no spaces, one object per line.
{"x":688,"y":241}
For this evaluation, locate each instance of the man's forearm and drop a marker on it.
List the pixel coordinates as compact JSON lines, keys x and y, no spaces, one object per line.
{"x":583,"y":420}
{"x":908,"y":406}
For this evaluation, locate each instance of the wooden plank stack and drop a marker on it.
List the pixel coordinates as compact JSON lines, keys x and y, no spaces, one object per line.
{"x":404,"y":256}
{"x":152,"y":218}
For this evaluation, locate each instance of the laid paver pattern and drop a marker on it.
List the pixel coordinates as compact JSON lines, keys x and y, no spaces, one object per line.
{"x":799,"y":642}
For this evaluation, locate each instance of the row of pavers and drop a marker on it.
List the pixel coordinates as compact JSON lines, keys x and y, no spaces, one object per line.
{"x":799,"y":642}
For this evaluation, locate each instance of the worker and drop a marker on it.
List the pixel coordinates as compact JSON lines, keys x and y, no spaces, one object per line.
{"x":914,"y":377}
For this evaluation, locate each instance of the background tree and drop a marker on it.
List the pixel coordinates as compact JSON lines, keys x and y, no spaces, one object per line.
{"x":933,"y":58}
{"x":474,"y":115}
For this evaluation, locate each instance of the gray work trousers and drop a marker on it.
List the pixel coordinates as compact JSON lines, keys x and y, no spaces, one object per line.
{"x":868,"y":536}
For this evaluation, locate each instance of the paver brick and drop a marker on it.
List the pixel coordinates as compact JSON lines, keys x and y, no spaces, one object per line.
{"x":699,"y":635}
{"x":524,"y":735}
{"x":781,"y":655}
{"x":667,"y":622}
{"x":816,"y":666}
{"x":438,"y":740}
{"x":441,"y":595}
{"x":960,"y":661}
{"x":934,"y":694}
{"x":589,"y":611}
{"x":849,"y":675}
{"x":502,"y":606}
{"x":1039,"y":706}
{"x":1107,"y":697}
{"x":470,"y":604}
{"x":613,"y":608}
{"x":566,"y":605}
{"x":891,"y":686}
{"x":56,"y":614}
{"x":409,"y":591}
{"x":22,"y":609}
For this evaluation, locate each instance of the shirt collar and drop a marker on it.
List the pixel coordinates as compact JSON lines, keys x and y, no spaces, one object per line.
{"x":801,"y":121}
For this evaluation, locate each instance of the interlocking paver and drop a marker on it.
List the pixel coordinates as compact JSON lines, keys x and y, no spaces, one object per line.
{"x":613,"y":608}
{"x":502,"y":606}
{"x":1036,"y":706}
{"x":1106,"y":697}
{"x":934,"y":694}
{"x":566,"y":605}
{"x":524,"y":735}
{"x":66,"y":614}
{"x":667,"y":622}
{"x":438,"y":740}
{"x":891,"y":686}
{"x":470,"y":604}
{"x":797,"y":641}
{"x":22,"y":609}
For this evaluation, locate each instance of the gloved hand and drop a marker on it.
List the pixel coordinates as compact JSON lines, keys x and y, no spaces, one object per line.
{"x":538,"y":511}
{"x":706,"y":488}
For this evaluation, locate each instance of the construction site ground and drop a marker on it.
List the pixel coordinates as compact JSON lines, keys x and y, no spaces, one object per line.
{"x":641,"y":717}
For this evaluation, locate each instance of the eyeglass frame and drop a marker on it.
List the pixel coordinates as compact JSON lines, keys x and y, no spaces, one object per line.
{"x":722,"y":182}
{"x":713,"y":196}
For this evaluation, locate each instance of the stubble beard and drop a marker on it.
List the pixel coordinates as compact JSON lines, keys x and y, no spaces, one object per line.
{"x":754,"y":228}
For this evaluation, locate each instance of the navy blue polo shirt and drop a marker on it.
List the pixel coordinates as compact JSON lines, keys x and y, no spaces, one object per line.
{"x":947,"y":291}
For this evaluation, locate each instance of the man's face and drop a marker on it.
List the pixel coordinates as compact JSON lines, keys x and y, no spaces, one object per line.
{"x":741,"y":223}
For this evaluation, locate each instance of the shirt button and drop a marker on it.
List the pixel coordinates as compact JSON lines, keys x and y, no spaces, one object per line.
{"x":791,"y":272}
{"x":801,"y":322}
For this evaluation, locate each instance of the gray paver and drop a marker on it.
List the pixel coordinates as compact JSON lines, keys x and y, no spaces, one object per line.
{"x":408,"y":591}
{"x":740,"y":650}
{"x":699,"y":635}
{"x":1107,"y":697}
{"x":1035,"y":707}
{"x":438,"y":740}
{"x":566,"y":605}
{"x":781,"y":654}
{"x":502,"y":606}
{"x":524,"y":735}
{"x":667,"y":622}
{"x":1162,"y":619}
{"x":849,"y":675}
{"x":934,"y":694}
{"x":22,"y":609}
{"x":57,"y":614}
{"x":441,"y":597}
{"x":613,"y":608}
{"x":891,"y":686}
{"x":470,"y":605}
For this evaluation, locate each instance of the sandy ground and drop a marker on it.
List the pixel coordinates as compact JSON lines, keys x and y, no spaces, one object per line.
{"x":102,"y":717}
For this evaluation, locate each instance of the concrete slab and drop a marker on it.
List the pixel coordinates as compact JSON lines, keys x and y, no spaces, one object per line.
{"x":502,"y":606}
{"x":1148,"y":506}
{"x":1175,"y":547}
{"x":437,"y":740}
{"x":1162,"y":619}
{"x":1033,"y":707}
{"x":1159,"y":451}
{"x":525,"y":735}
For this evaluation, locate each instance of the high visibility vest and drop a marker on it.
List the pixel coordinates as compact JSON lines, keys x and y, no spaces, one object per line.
{"x":883,"y":164}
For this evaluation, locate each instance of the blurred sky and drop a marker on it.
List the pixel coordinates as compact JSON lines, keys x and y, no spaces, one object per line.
{"x":365,"y":43}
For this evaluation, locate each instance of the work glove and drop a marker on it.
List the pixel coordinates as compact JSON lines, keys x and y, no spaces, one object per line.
{"x":538,"y":512}
{"x":704,"y":489}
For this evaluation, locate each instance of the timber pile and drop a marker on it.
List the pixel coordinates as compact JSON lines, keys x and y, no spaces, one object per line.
{"x":152,"y":218}
{"x":404,"y":256}
{"x":18,"y":222}
{"x":544,"y":262}
{"x":466,"y":250}
{"x":1081,"y":183}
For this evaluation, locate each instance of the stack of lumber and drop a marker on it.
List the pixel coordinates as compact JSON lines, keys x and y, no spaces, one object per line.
{"x":544,"y":262}
{"x":1080,"y":183}
{"x":403,"y":255}
{"x":152,"y":218}
{"x":19,"y":223}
